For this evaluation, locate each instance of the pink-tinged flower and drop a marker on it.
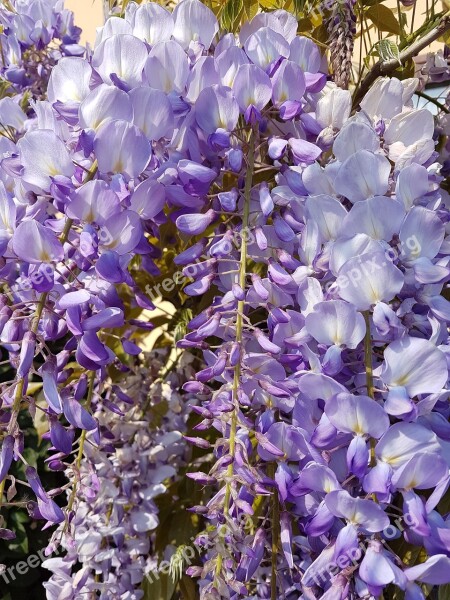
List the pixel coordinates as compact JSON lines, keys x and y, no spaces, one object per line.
{"x":363,"y":175}
{"x":167,"y":67}
{"x":365,"y":280}
{"x":265,"y":47}
{"x":152,"y":23}
{"x":69,"y":81}
{"x":152,"y":113}
{"x":252,"y":88}
{"x":416,"y":365}
{"x":216,"y":108}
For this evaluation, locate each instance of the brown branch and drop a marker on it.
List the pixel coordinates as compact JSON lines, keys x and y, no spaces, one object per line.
{"x":388,"y":66}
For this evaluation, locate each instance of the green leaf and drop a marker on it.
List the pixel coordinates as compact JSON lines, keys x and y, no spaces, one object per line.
{"x":176,"y":529}
{"x":444,"y":592}
{"x":394,"y":593}
{"x":179,"y":324}
{"x":383,"y":18}
{"x":320,"y":35}
{"x":4,"y":87}
{"x":158,"y":586}
{"x":231,"y":14}
{"x":387,"y":50}
{"x":188,"y":589}
{"x":250,"y":9}
{"x":269,"y":4}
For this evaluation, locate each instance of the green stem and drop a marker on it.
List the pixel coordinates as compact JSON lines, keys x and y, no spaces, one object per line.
{"x":413,"y":18}
{"x":400,"y":20}
{"x":361,"y":63}
{"x":18,"y":394}
{"x":239,"y":323}
{"x":79,"y":458}
{"x":240,"y":311}
{"x":2,"y":52}
{"x":275,"y":536}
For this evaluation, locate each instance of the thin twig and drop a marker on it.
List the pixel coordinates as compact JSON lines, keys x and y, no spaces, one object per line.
{"x":433,"y":101}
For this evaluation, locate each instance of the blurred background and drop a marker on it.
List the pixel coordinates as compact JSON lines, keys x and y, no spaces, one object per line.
{"x":88,"y":16}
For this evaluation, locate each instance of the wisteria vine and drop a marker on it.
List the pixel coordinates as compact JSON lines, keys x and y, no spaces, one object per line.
{"x":308,"y":396}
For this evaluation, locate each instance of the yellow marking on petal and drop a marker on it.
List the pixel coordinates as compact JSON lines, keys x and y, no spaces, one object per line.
{"x":52,"y":170}
{"x":401,"y":382}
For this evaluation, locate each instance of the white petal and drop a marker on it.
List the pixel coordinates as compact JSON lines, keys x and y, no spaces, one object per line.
{"x":410,"y":128}
{"x":194,"y":21}
{"x":333,"y":109}
{"x":69,"y":80}
{"x":353,"y":137}
{"x":152,"y":23}
{"x":384,"y":100}
{"x":378,"y":217}
{"x":167,"y":67}
{"x":415,"y":364}
{"x":368,"y":279}
{"x":363,"y":175}
{"x":328,"y":213}
{"x":122,"y":55}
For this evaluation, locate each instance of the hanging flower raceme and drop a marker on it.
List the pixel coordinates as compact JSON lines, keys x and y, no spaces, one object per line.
{"x":327,"y":349}
{"x":114,"y":516}
{"x":78,"y":208}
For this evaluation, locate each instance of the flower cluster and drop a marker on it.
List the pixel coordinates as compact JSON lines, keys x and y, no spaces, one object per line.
{"x":327,"y":373}
{"x":77,"y":216}
{"x":317,"y":244}
{"x":114,"y":511}
{"x":342,"y":30}
{"x":34,"y":35}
